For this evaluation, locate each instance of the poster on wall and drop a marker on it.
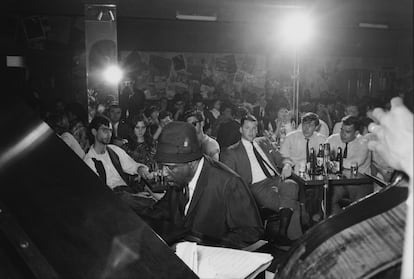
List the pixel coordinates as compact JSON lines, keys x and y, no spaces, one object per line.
{"x":178,"y":62}
{"x":195,"y":71}
{"x":226,"y":64}
{"x":159,"y":66}
{"x":248,"y":64}
{"x":238,"y":77}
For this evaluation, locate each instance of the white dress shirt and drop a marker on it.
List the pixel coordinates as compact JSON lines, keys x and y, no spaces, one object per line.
{"x":357,"y":152}
{"x":113,"y":178}
{"x":257,"y":172}
{"x":115,"y":129}
{"x":293,"y":149}
{"x":192,"y":184}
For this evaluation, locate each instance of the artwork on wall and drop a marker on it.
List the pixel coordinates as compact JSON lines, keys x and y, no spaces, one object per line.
{"x":178,"y":62}
{"x":218,"y":74}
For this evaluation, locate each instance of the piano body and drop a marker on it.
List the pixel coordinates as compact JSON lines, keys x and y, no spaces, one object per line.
{"x":57,"y":220}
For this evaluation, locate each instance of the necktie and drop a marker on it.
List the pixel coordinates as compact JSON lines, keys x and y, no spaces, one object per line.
{"x":307,"y":150}
{"x":345,"y":151}
{"x":261,"y":162}
{"x":183,"y":198}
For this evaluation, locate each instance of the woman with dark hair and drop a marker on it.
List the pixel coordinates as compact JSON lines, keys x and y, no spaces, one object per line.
{"x":142,"y":147}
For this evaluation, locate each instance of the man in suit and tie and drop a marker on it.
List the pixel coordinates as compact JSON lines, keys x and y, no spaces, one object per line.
{"x":122,"y":132}
{"x":211,"y":201}
{"x":256,"y":161}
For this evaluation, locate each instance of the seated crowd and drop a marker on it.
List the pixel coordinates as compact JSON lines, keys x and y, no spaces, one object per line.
{"x":228,"y":162}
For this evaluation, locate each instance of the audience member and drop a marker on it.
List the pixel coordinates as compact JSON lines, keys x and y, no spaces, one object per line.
{"x":355,"y":151}
{"x":259,"y":111}
{"x":136,"y":104}
{"x":283,"y":124}
{"x":121,"y":133}
{"x":141,"y":148}
{"x":322,"y":128}
{"x":350,"y":109}
{"x":152,"y":114}
{"x":213,"y":115}
{"x":295,"y":150}
{"x":255,"y":160}
{"x":209,"y":145}
{"x":179,"y":108}
{"x":228,"y":132}
{"x":164,"y":118}
{"x":200,"y":106}
{"x":108,"y":161}
{"x":323,"y":113}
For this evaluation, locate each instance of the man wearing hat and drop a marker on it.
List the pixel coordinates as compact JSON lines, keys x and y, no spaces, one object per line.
{"x":214,"y":201}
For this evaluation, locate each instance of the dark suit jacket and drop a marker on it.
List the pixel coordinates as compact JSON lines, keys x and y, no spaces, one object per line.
{"x":236,"y":158}
{"x":124,"y":131}
{"x":223,"y":207}
{"x":260,"y":119}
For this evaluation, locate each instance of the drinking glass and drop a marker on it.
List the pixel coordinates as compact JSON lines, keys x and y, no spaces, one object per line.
{"x":354,"y":168}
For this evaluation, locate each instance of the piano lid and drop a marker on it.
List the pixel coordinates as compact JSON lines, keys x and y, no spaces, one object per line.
{"x":76,"y":223}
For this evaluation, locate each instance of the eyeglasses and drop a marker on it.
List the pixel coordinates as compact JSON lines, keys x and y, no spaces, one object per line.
{"x":172,"y":167}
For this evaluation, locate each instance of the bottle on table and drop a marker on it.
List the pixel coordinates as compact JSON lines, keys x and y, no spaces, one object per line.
{"x":319,"y":161}
{"x":327,"y":157}
{"x":310,"y":165}
{"x":338,"y":163}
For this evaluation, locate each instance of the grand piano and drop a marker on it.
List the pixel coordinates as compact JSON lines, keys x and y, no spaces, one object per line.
{"x":57,"y":220}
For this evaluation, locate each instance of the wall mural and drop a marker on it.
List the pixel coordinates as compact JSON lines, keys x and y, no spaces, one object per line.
{"x":217,"y":74}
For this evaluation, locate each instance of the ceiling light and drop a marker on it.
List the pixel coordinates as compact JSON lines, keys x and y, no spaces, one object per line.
{"x":297,"y":28}
{"x":112,"y":74}
{"x":373,"y":25}
{"x":196,"y":17}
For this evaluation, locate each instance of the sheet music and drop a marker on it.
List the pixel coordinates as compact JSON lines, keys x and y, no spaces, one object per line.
{"x":217,"y":262}
{"x":187,"y":252}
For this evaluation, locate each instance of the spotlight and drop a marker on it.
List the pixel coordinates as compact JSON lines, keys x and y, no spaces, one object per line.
{"x":297,"y":28}
{"x":112,"y":74}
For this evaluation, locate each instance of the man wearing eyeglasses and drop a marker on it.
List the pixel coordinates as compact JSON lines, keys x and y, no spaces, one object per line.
{"x":211,"y":200}
{"x":209,"y":145}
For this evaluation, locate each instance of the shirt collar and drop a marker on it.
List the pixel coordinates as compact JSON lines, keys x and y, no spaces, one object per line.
{"x":246,"y":143}
{"x":193,"y":182}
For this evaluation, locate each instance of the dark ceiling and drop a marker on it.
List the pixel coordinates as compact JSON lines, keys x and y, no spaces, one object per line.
{"x":243,"y":25}
{"x":339,"y":13}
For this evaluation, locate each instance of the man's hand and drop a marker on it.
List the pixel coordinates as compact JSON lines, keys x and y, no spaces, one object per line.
{"x":143,"y":171}
{"x":394,"y":136}
{"x":286,"y":171}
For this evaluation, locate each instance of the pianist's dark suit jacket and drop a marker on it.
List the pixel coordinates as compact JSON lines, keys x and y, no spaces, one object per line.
{"x":223,"y":207}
